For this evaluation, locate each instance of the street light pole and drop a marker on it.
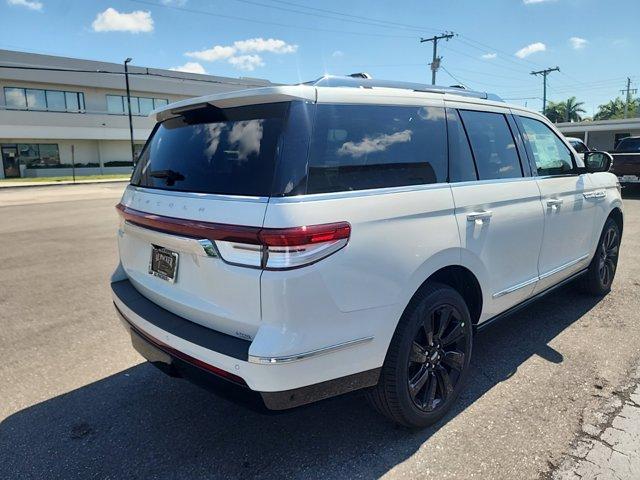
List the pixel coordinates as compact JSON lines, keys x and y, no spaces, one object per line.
{"x":126,"y":79}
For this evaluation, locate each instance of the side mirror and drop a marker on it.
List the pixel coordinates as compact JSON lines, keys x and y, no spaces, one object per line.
{"x":597,"y":161}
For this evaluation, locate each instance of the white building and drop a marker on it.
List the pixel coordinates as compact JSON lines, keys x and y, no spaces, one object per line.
{"x":602,"y":134}
{"x":47,"y":111}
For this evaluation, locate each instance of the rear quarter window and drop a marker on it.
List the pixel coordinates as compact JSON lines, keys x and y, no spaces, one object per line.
{"x":360,"y":147}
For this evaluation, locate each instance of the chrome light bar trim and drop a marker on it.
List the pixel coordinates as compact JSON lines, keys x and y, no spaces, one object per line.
{"x":201,"y":247}
{"x":309,"y":354}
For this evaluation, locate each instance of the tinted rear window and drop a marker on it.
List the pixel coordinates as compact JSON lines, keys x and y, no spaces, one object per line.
{"x":359,"y":147}
{"x":629,"y":145}
{"x":493,"y":145}
{"x":212,"y":150}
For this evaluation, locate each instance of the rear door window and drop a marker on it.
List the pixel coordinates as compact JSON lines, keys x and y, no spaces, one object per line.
{"x":211,"y":150}
{"x":493,"y":145}
{"x":360,"y":147}
{"x":461,"y":166}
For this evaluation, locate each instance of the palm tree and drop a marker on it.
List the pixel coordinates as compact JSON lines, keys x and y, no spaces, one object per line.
{"x":615,"y":109}
{"x":572,"y":110}
{"x":609,"y":110}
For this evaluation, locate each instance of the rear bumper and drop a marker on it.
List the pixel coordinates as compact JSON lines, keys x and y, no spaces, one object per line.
{"x":221,"y":362}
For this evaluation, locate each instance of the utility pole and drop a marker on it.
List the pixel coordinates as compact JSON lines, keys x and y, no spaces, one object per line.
{"x":435,"y":63}
{"x":544,"y":74}
{"x":126,"y":79}
{"x":628,"y":92}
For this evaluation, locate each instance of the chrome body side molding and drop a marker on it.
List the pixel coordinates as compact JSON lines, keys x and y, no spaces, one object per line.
{"x":540,"y":277}
{"x":309,"y":354}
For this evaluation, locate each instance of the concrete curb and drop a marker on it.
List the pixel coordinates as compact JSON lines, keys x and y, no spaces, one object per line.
{"x":54,"y":184}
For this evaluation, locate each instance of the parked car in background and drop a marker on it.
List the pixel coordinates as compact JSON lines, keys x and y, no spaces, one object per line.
{"x":293,"y":243}
{"x":626,"y":160}
{"x":579,"y":146}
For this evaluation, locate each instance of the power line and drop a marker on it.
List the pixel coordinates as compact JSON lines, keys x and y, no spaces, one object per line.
{"x":454,"y":77}
{"x":405,"y":25}
{"x":265,"y":22}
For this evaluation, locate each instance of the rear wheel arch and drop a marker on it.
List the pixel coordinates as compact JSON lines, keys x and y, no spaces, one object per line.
{"x":462,"y":280}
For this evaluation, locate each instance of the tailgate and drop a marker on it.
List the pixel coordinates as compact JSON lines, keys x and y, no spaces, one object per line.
{"x":626,"y":164}
{"x":206,"y":290}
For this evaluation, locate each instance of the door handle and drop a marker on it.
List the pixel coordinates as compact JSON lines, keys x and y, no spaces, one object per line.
{"x":479,"y":217}
{"x":595,"y":194}
{"x":554,"y":202}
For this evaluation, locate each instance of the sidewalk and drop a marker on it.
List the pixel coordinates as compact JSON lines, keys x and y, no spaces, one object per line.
{"x":610,"y":449}
{"x":24,"y":184}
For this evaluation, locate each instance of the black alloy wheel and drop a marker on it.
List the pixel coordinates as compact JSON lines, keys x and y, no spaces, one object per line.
{"x":608,"y":255}
{"x":601,"y":272}
{"x":428,"y":358}
{"x":437,"y":357}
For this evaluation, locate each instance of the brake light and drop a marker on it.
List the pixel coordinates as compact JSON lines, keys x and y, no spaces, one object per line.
{"x":269,"y":248}
{"x":295,"y":247}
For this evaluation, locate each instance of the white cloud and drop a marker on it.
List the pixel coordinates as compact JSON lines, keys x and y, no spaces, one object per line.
{"x":577,"y":43}
{"x":489,"y":56}
{"x":247,"y":62}
{"x":379,"y":143}
{"x":531,"y":2}
{"x":190,"y":67}
{"x":529,"y":49}
{"x":216,"y":53}
{"x":31,"y":5}
{"x":272,"y":45}
{"x":112,"y":20}
{"x":337,"y":53}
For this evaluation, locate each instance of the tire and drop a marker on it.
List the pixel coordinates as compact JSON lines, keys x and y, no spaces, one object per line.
{"x":602,"y":269}
{"x":419,"y":383}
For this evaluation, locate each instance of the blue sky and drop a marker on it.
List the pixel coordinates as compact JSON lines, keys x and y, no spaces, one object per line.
{"x":594,"y":43}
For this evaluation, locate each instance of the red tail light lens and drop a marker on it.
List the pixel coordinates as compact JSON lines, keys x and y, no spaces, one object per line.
{"x":269,"y":248}
{"x":291,"y":237}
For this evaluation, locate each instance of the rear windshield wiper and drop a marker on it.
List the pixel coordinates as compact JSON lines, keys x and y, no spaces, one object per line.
{"x":170,"y":176}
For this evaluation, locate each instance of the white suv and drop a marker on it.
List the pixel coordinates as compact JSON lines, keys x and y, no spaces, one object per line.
{"x":292,"y":243}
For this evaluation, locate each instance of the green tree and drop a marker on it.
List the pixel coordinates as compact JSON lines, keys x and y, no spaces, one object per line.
{"x":572,"y":110}
{"x":569,"y":110}
{"x":555,"y":111}
{"x":615,"y":109}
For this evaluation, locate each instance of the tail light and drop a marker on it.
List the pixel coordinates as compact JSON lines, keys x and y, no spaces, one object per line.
{"x":268,"y":248}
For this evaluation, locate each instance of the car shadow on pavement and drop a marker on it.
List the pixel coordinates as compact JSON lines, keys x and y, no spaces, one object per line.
{"x":141,"y":424}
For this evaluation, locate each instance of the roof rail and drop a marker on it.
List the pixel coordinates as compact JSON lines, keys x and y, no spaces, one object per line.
{"x":350,"y":81}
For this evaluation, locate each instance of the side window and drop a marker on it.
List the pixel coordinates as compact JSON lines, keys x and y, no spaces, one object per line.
{"x":551,"y":155}
{"x":461,"y":166}
{"x":493,"y":145}
{"x":359,"y":147}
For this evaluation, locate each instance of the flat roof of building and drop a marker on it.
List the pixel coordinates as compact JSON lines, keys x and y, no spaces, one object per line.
{"x":39,"y":68}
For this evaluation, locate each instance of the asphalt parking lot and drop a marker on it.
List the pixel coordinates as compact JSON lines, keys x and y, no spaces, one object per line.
{"x":76,"y":401}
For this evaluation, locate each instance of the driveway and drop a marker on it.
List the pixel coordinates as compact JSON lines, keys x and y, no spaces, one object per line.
{"x":76,"y":401}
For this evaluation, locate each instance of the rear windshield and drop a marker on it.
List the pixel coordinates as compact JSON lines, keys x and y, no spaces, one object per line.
{"x":629,"y":145}
{"x":211,"y":150}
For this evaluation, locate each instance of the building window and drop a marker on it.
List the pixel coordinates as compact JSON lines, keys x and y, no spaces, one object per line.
{"x":43,"y":100}
{"x":117,"y":105}
{"x":39,"y":155}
